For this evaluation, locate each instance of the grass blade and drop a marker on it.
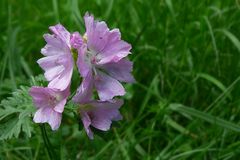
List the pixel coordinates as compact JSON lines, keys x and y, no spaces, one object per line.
{"x":205,"y":116}
{"x":214,"y":81}
{"x":55,"y":9}
{"x":232,"y":37}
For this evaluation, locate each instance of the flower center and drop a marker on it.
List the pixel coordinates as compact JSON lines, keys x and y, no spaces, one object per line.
{"x":53,"y":100}
{"x":91,"y":56}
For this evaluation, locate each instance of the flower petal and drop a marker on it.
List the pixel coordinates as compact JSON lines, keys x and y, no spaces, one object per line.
{"x":107,"y":87}
{"x":115,"y":49}
{"x":107,"y":44}
{"x":100,"y":115}
{"x":84,"y":92}
{"x":40,"y":96}
{"x":54,"y":119}
{"x":48,"y":100}
{"x":61,"y":32}
{"x":48,"y":62}
{"x":54,"y":46}
{"x":96,"y":34}
{"x":41,"y":116}
{"x":86,"y":123}
{"x":62,"y":81}
{"x":104,"y":113}
{"x":58,"y":65}
{"x":63,"y":95}
{"x":120,"y":70}
{"x":48,"y":115}
{"x":58,"y":70}
{"x":54,"y":72}
{"x":83,"y":66}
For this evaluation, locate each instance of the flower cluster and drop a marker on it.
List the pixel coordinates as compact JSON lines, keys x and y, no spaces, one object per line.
{"x":102,"y":64}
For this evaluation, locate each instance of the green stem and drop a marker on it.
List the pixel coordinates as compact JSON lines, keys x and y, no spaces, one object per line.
{"x":49,"y":143}
{"x":46,"y":141}
{"x":45,"y":133}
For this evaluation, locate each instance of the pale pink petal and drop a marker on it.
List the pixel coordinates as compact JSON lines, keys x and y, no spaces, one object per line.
{"x":54,"y":119}
{"x":107,"y":87}
{"x":40,"y":96}
{"x":89,"y":23}
{"x":98,"y":39}
{"x":54,"y":72}
{"x":107,"y":44}
{"x":48,"y":115}
{"x":62,"y":100}
{"x":41,"y":116}
{"x":62,"y":81}
{"x":82,"y":62}
{"x":58,"y":65}
{"x":48,"y":62}
{"x":100,"y":115}
{"x":104,"y":113}
{"x":120,"y":70}
{"x":50,"y":104}
{"x":61,"y":32}
{"x":84,"y":92}
{"x":86,"y":123}
{"x":115,"y":52}
{"x":54,"y":46}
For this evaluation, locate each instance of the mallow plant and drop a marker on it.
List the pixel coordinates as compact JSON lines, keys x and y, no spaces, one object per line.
{"x":100,"y":56}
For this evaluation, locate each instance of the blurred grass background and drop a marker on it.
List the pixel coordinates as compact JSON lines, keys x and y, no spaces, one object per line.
{"x":186,"y":102}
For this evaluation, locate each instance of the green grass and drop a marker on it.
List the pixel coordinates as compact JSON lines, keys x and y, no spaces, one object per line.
{"x":186,"y":101}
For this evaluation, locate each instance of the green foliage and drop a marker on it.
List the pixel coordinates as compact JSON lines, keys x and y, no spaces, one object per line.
{"x":204,"y":116}
{"x":16,"y":114}
{"x":184,"y":52}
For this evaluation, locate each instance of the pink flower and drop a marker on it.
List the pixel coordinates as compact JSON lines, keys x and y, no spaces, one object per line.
{"x":58,"y":63}
{"x":99,"y":114}
{"x":96,"y":113}
{"x":50,"y":105}
{"x":101,"y":60}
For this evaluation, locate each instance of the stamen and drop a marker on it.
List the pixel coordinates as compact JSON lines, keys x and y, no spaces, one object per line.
{"x":85,"y":38}
{"x":58,"y":97}
{"x":95,"y":71}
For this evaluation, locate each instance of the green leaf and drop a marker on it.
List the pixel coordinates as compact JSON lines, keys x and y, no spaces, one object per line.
{"x":232,"y":37}
{"x":215,"y":82}
{"x":205,"y":116}
{"x":170,"y":6}
{"x":16,"y":114}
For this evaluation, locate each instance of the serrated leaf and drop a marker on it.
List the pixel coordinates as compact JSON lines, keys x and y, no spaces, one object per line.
{"x":15,"y":114}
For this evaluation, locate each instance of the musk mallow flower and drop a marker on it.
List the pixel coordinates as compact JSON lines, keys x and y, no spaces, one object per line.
{"x":101,"y":60}
{"x":99,"y":114}
{"x":50,"y":105}
{"x":102,"y":64}
{"x":58,"y":63}
{"x":96,"y":113}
